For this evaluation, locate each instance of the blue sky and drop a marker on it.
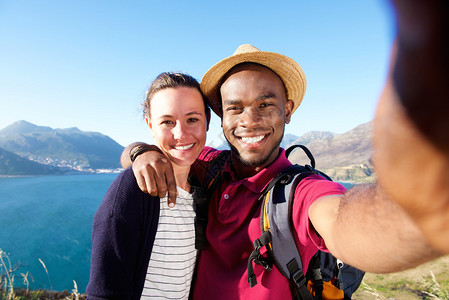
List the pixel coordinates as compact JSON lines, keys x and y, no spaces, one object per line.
{"x":87,"y":64}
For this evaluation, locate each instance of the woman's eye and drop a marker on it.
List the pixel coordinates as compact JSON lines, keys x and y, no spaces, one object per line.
{"x":167,"y":122}
{"x":192,"y":120}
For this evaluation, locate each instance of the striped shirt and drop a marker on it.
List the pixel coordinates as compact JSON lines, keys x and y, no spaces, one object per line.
{"x":173,"y":256}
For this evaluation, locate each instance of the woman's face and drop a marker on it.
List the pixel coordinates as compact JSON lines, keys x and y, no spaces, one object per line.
{"x":178,"y":123}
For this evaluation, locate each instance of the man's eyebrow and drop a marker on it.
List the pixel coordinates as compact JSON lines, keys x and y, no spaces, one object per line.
{"x":231,"y":101}
{"x":266,"y":96}
{"x":259,"y":98}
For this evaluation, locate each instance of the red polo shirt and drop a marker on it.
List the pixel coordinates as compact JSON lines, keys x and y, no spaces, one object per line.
{"x":234,"y":224}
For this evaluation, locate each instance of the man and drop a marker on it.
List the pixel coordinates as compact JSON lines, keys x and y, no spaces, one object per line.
{"x":255,"y":93}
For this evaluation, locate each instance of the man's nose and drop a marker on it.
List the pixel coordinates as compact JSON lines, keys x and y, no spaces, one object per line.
{"x":250,"y":117}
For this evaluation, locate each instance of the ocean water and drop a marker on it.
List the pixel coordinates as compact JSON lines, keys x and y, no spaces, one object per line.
{"x":50,"y":218}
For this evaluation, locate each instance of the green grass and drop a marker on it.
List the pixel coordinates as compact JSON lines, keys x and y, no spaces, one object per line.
{"x":8,"y":277}
{"x":428,"y":281}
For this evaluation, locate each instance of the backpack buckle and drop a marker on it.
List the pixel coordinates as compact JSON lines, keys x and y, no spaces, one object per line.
{"x":258,"y":258}
{"x":286,"y":179}
{"x":296,"y":273}
{"x":299,"y":278}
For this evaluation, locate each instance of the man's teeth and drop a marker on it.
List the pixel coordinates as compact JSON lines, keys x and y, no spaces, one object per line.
{"x":254,"y":139}
{"x":183,"y":147}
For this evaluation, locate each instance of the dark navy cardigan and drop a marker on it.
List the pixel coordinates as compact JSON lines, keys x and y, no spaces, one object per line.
{"x":124,"y":228}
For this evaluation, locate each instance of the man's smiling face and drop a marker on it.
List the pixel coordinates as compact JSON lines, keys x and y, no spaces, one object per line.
{"x":255,"y":111}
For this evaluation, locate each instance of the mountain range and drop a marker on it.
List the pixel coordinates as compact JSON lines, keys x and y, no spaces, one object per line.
{"x":344,"y":157}
{"x":28,"y":149}
{"x":13,"y":164}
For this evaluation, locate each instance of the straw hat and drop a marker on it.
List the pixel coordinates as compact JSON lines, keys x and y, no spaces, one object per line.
{"x":286,"y":68}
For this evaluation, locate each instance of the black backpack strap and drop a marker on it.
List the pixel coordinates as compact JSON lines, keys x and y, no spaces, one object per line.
{"x":305,"y":149}
{"x":311,"y":167}
{"x":263,"y":241}
{"x":203,"y":195}
{"x":286,"y":177}
{"x":297,"y":274}
{"x":299,"y":281}
{"x":211,"y":181}
{"x":314,"y":274}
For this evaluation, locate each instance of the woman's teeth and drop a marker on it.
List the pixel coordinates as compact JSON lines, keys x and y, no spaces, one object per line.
{"x":183,"y":147}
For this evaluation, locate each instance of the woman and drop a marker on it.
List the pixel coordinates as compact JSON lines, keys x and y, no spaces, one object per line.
{"x":142,"y":248}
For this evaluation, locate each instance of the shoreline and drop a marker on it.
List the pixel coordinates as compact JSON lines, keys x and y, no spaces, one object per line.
{"x":111,"y":171}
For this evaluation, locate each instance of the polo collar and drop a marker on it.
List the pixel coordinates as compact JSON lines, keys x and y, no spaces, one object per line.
{"x":258,"y":182}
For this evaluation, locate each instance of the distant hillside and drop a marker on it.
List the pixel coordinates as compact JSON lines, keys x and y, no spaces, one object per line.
{"x":69,"y":146}
{"x":339,"y":150}
{"x":288,"y":140}
{"x":23,"y":127}
{"x":12,"y":164}
{"x":312,"y":136}
{"x":344,"y":157}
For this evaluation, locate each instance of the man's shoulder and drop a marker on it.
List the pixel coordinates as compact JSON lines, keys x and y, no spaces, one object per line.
{"x":209,"y":163}
{"x":319,"y":186}
{"x":209,"y":154}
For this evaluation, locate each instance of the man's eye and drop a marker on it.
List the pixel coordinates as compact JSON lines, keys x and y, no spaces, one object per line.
{"x":263,"y":105}
{"x":167,"y":122}
{"x":233,"y":108}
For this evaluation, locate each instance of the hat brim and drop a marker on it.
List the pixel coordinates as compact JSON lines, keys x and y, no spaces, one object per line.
{"x":286,"y":68}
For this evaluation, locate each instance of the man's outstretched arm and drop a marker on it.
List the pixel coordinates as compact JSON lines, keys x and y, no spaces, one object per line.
{"x":365,"y":229}
{"x":411,"y":138}
{"x":402,"y":221}
{"x":411,"y":169}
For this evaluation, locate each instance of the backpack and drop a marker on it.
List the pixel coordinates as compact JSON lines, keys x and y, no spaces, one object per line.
{"x":327,"y":277}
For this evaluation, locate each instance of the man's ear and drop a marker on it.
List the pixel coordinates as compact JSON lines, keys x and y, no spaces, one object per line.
{"x":288,"y":110}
